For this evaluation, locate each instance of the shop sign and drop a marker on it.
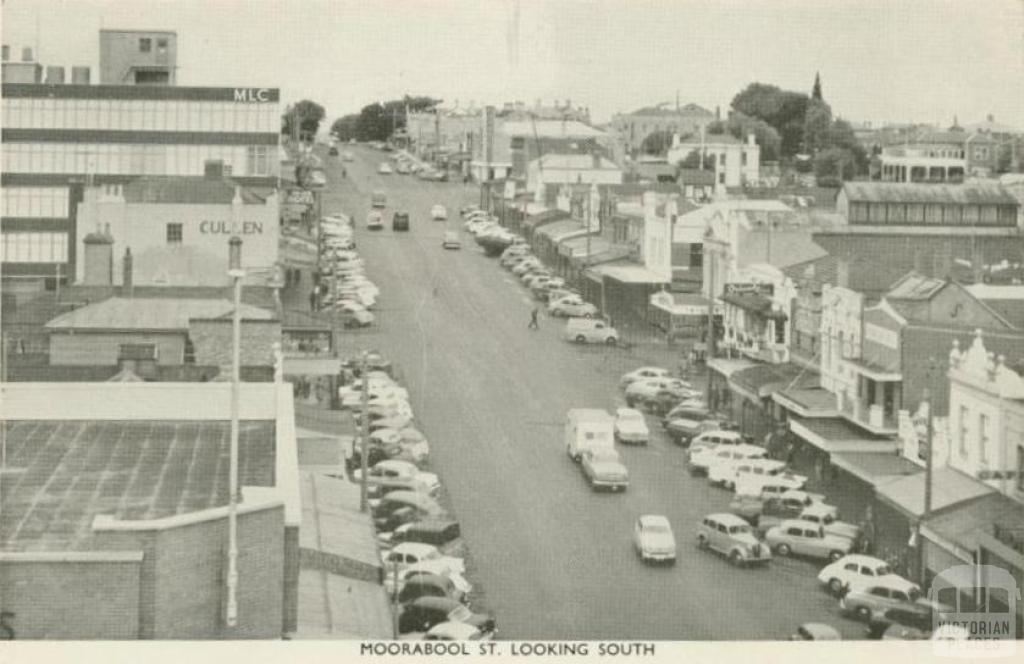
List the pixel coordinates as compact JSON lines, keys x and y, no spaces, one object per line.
{"x":253,"y":95}
{"x":750,"y":288}
{"x":225,"y":228}
{"x":882,"y":336}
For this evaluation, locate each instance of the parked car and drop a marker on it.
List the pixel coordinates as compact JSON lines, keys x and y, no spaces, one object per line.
{"x":631,"y":427}
{"x":648,"y":387}
{"x":378,"y":199}
{"x":590,"y":330}
{"x":438,"y":212}
{"x":572,"y":306}
{"x":398,"y":578}
{"x":719,"y":437}
{"x":604,"y":470}
{"x":455,"y":631}
{"x":407,"y":554}
{"x":353,"y":314}
{"x":392,"y":474}
{"x":662,"y":401}
{"x":733,"y":538}
{"x":558,"y":294}
{"x":864,"y":602}
{"x":691,"y":411}
{"x":702,"y":459}
{"x":722,"y":466}
{"x":374,"y":221}
{"x":653,"y":539}
{"x":429,"y":531}
{"x":682,"y":430}
{"x":421,"y":614}
{"x":385,"y":168}
{"x":426,"y":584}
{"x":857,"y":570}
{"x":332,"y":151}
{"x":347,"y":156}
{"x":905,"y":623}
{"x":816,"y":632}
{"x":643,"y":373}
{"x":797,"y":537}
{"x":526,"y":265}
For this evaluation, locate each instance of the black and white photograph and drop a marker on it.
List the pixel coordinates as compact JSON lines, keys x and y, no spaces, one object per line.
{"x":563,"y":330}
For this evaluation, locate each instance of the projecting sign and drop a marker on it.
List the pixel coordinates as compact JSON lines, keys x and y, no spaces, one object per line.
{"x":258,"y":95}
{"x":881,"y":336}
{"x":744,"y":288}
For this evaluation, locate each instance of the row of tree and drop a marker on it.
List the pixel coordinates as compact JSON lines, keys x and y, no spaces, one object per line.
{"x":380,"y":120}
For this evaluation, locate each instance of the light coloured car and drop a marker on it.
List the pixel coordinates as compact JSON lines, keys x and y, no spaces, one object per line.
{"x":653,"y":539}
{"x":374,"y":220}
{"x":804,"y":539}
{"x":375,"y":385}
{"x":531,"y":263}
{"x":875,"y":598}
{"x":406,"y":554}
{"x":722,"y":465}
{"x":536,"y":275}
{"x":732,"y":537}
{"x":631,"y":427}
{"x":604,"y":470}
{"x":451,"y":240}
{"x":643,"y":373}
{"x":347,"y":156}
{"x":456,"y":631}
{"x":816,"y":632}
{"x":648,"y":388}
{"x":385,"y":168}
{"x":826,"y":517}
{"x":590,"y":330}
{"x":572,"y":307}
{"x":353,"y":314}
{"x":394,"y":474}
{"x":702,"y":459}
{"x":438,"y":567}
{"x":714,"y":438}
{"x":513,"y":260}
{"x":438,"y":212}
{"x":856,"y":571}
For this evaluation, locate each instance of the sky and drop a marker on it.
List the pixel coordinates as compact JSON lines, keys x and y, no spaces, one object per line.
{"x":880,"y":60}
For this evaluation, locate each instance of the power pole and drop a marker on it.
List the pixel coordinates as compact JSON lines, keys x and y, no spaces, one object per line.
{"x":364,"y":443}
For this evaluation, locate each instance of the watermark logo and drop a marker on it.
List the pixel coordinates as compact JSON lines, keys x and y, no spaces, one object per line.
{"x":975,"y":612}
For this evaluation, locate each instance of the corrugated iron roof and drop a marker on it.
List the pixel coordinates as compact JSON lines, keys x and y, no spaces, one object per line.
{"x":196,"y":190}
{"x":959,"y":194}
{"x":168,"y":314}
{"x":914,"y":286}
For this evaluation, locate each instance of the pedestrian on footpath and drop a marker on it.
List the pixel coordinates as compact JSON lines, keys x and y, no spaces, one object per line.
{"x":312,"y":299}
{"x":534,"y":325}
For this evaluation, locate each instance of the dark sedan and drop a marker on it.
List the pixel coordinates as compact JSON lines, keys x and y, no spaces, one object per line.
{"x":423,"y":613}
{"x":432,"y":531}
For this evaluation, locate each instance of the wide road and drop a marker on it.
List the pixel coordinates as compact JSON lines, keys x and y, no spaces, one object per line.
{"x":555,"y":559}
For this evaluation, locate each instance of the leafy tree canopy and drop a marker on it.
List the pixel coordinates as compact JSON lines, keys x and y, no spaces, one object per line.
{"x":309,"y":115}
{"x":657,"y":143}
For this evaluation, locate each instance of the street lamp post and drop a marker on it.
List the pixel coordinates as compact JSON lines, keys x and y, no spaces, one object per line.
{"x":236,"y":272}
{"x":364,"y":443}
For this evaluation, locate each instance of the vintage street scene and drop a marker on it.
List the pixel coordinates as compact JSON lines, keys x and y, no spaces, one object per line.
{"x":523,"y":322}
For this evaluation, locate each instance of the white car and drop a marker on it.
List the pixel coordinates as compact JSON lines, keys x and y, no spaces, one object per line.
{"x":720,"y":458}
{"x":653,"y":539}
{"x":648,"y":388}
{"x":572,"y":307}
{"x":631,"y":427}
{"x":590,"y":330}
{"x":394,"y":474}
{"x":354,"y":314}
{"x":374,"y":221}
{"x":451,"y":630}
{"x":407,"y":554}
{"x":438,"y":213}
{"x":643,"y":373}
{"x":385,"y":169}
{"x":715,"y":438}
{"x":856,"y":571}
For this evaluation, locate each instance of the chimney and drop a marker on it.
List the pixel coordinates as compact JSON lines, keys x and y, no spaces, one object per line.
{"x":54,"y":75}
{"x":80,"y":75}
{"x":127,"y":279}
{"x":99,"y":258}
{"x":751,"y":139}
{"x":843,"y":273}
{"x":26,"y":54}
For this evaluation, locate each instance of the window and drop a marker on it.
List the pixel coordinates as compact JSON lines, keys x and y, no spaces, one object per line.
{"x":34,"y":247}
{"x":743,"y":159}
{"x":721,"y":178}
{"x":1020,"y":468}
{"x":174,"y":233}
{"x":963,"y":431}
{"x":145,"y":44}
{"x":161,"y":45}
{"x":983,"y":437}
{"x":257,"y":160}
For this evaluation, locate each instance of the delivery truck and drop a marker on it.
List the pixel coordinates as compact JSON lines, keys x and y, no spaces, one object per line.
{"x":588,"y":428}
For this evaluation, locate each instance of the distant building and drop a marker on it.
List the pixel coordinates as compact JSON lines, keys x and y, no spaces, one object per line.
{"x":138,"y":57}
{"x":553,"y":170}
{"x":941,"y":156}
{"x":632,"y":129}
{"x":27,"y":70}
{"x":736,"y":162}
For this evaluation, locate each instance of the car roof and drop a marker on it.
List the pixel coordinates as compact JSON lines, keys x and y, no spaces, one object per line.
{"x":654,"y":520}
{"x":417,"y":548}
{"x":727,"y":519}
{"x":821,"y":630}
{"x":396,"y":464}
{"x":628,"y":412}
{"x":460,"y":630}
{"x":435,"y":602}
{"x":861,"y":559}
{"x":796,"y":523}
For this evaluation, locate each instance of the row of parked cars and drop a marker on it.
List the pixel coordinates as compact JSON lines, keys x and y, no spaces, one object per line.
{"x":416,"y":534}
{"x":406,"y":165}
{"x":772,"y":513}
{"x":344,"y":288}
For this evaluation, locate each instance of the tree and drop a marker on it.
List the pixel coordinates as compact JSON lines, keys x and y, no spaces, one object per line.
{"x":816,"y":90}
{"x":344,"y":128}
{"x":309,"y":114}
{"x":817,"y":125}
{"x":657,"y":143}
{"x":692,"y":160}
{"x":376,"y":122}
{"x":841,"y":135}
{"x":782,"y":109}
{"x":833,"y":166}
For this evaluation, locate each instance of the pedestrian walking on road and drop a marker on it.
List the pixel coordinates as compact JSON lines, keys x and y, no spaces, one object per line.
{"x":534,"y":325}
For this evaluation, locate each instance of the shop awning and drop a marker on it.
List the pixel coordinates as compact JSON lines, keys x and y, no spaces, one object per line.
{"x":561,"y":230}
{"x":875,"y":468}
{"x":759,"y":381}
{"x":682,"y":304}
{"x":578,"y":246}
{"x":807,"y":400}
{"x":727,"y":368}
{"x":961,"y":526}
{"x":613,"y":252}
{"x":949,"y":488}
{"x":542,"y":218}
{"x":627,"y":272}
{"x":755,"y":303}
{"x":835,"y":434}
{"x":875,"y":371}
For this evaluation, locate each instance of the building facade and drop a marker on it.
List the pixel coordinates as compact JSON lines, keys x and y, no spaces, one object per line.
{"x":736,"y":162}
{"x":58,"y":139}
{"x":632,"y":129}
{"x":134,"y":57}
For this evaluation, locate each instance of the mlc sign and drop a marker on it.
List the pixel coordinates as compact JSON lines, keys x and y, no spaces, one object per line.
{"x":260,"y":95}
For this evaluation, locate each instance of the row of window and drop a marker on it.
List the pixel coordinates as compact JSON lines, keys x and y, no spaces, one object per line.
{"x":140,"y":115}
{"x":136,"y":158}
{"x":34,"y":202}
{"x":34,"y":247}
{"x":933,"y":213}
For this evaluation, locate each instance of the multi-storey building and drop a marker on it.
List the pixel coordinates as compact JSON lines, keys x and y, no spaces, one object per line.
{"x":736,"y":162}
{"x":134,"y":57}
{"x":632,"y":129}
{"x":59,"y":138}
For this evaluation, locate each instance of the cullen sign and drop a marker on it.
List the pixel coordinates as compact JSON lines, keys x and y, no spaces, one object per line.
{"x":224,"y":228}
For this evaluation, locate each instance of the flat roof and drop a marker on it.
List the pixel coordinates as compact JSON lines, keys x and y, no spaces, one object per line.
{"x":242,"y":94}
{"x":899,"y":192}
{"x":949,"y":487}
{"x":62,"y":474}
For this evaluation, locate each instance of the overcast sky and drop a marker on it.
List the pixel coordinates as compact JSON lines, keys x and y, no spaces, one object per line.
{"x":899,"y":60}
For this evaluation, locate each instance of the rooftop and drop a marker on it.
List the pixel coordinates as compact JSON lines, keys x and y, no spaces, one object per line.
{"x":668,"y":110}
{"x":711,"y":139}
{"x":187,"y":190}
{"x":949,"y":487}
{"x":164,"y":314}
{"x":960,"y":194}
{"x":577,"y":161}
{"x":914,"y":286}
{"x":550,"y":129}
{"x":62,"y":474}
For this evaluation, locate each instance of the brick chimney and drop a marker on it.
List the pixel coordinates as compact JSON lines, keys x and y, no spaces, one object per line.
{"x":128,"y":270}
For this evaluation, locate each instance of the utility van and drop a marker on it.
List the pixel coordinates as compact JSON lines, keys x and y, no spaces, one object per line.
{"x":588,"y":429}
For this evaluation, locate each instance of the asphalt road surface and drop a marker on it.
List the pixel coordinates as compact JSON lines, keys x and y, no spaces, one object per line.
{"x":555,"y":559}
